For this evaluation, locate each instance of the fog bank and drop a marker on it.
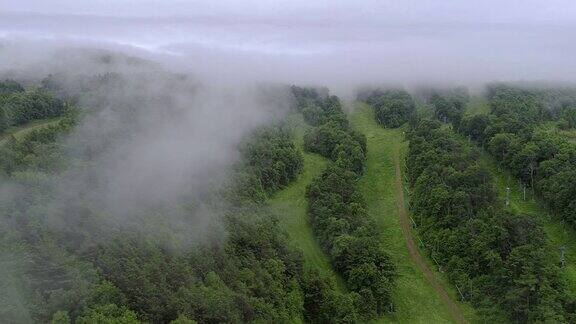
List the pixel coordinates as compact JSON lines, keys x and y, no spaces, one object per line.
{"x":335,"y":43}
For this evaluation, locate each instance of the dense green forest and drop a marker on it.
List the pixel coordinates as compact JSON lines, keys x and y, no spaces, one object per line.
{"x":19,"y":106}
{"x":251,"y":275}
{"x":338,"y":211}
{"x":519,"y":133}
{"x":392,"y":107}
{"x":497,"y":258}
{"x":287,"y":162}
{"x":67,"y":257}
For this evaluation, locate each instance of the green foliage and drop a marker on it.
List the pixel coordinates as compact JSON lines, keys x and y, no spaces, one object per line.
{"x":269,"y":161}
{"x":55,"y":279}
{"x":339,"y":220}
{"x":534,"y":103}
{"x":426,"y":93}
{"x":18,"y":107}
{"x":503,"y":145}
{"x":251,"y":276}
{"x":22,"y":107}
{"x":393,"y":107}
{"x":42,"y":277}
{"x":307,"y":95}
{"x":568,"y":118}
{"x":318,"y":107}
{"x":271,"y":156}
{"x":60,"y":317}
{"x":475,"y":126}
{"x":513,"y":136}
{"x":340,"y":144}
{"x":4,"y":122}
{"x":182,"y":319}
{"x":496,"y":257}
{"x":334,"y":139}
{"x":108,"y":314}
{"x":324,"y":305}
{"x":9,"y":86}
{"x":448,"y":108}
{"x":386,"y":148}
{"x":37,"y":150}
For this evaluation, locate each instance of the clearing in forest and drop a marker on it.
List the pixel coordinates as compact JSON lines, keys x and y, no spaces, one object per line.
{"x":422,"y":295}
{"x":291,"y":206}
{"x":20,"y":131}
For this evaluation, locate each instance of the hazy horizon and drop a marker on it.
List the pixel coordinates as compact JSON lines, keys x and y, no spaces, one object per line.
{"x":336,"y":43}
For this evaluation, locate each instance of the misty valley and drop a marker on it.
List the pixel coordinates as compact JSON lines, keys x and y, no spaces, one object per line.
{"x":130,"y":193}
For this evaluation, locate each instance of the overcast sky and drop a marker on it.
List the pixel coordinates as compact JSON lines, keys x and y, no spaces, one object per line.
{"x":321,"y":40}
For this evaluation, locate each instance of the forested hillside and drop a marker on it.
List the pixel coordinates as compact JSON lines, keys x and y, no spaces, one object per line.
{"x":210,"y":162}
{"x":115,"y":211}
{"x":19,"y":106}
{"x":338,"y":211}
{"x":498,"y":259}
{"x":520,"y":133}
{"x":243,"y":271}
{"x":422,"y":294}
{"x":392,"y":107}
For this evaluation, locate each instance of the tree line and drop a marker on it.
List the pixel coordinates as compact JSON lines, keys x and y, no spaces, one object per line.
{"x":252,"y":276}
{"x":19,"y":106}
{"x":392,"y":107}
{"x":516,"y":134}
{"x":338,"y":211}
{"x":37,"y":150}
{"x":246,"y":273}
{"x":496,"y":257}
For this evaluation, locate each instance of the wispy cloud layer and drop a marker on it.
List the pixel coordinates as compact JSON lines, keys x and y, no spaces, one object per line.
{"x":322,"y":40}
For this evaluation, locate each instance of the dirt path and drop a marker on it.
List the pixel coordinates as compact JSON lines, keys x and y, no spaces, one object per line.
{"x":24,"y":129}
{"x":452,"y":307}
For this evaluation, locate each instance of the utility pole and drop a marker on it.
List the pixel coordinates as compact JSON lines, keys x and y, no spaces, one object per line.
{"x":461,"y":295}
{"x":507,"y":196}
{"x":524,"y":188}
{"x":562,"y":259}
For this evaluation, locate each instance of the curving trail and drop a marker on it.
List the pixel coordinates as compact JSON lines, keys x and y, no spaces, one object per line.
{"x":291,"y":206}
{"x":452,"y":307}
{"x":420,"y":293}
{"x":26,"y":128}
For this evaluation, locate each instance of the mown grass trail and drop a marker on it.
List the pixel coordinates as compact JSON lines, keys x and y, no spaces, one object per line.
{"x":291,"y":206}
{"x":415,"y":298}
{"x":20,"y":131}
